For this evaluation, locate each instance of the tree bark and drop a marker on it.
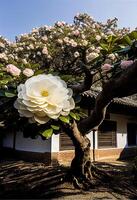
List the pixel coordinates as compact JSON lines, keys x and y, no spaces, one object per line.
{"x":83,"y":172}
{"x":81,"y":164}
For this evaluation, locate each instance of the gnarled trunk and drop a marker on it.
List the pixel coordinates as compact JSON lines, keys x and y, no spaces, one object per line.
{"x":81,"y":163}
{"x":83,"y":172}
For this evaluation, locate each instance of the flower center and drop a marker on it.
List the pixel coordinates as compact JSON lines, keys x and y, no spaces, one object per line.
{"x":44,"y":93}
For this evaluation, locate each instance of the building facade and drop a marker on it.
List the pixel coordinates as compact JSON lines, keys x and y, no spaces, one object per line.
{"x":116,"y":138}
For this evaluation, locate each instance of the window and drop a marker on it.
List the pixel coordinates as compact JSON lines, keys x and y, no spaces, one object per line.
{"x":107,"y":134}
{"x":131,"y":134}
{"x":65,"y":142}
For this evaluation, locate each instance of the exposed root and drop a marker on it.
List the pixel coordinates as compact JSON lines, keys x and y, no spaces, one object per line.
{"x":84,"y":174}
{"x":101,"y":174}
{"x":83,"y":183}
{"x":89,"y":176}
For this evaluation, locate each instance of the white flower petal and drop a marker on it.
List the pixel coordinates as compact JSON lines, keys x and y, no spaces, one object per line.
{"x":53,"y":116}
{"x":32,"y":120}
{"x":64,"y":113}
{"x":25,"y":113}
{"x":69,"y":105}
{"x":43,"y":97}
{"x":41,"y":120}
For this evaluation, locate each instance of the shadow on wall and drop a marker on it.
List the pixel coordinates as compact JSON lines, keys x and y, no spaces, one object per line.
{"x":11,"y":154}
{"x":130,"y":149}
{"x":128,"y":153}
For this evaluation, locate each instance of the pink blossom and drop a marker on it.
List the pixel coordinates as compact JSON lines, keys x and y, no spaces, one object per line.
{"x":126,"y":63}
{"x":106,"y":67}
{"x":72,"y":43}
{"x":66,"y":39}
{"x":98,"y":37}
{"x":44,"y":38}
{"x":45,"y":51}
{"x":28,"y":72}
{"x":60,"y":23}
{"x":60,"y":41}
{"x":13,"y":70}
{"x":76,"y":33}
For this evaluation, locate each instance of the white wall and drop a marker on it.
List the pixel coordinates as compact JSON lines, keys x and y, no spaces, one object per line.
{"x":34,"y":145}
{"x":122,"y":121}
{"x":27,"y":144}
{"x":55,"y":143}
{"x":8,"y":140}
{"x":52,"y":145}
{"x":90,"y":136}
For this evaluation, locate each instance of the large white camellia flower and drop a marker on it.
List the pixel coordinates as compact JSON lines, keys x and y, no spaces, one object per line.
{"x":43,"y":97}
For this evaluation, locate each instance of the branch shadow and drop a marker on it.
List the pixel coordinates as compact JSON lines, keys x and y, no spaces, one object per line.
{"x":21,"y":180}
{"x":122,"y":180}
{"x":26,"y":180}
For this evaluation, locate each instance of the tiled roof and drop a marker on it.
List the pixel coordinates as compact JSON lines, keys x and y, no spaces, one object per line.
{"x":128,"y":101}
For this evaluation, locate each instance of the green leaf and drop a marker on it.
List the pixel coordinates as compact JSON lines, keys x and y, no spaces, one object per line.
{"x":73,"y":115}
{"x":83,"y":115}
{"x":122,"y":46}
{"x":1,"y":73}
{"x":4,"y":82}
{"x":77,"y":117}
{"x":55,"y":127}
{"x":104,"y":46}
{"x":47,"y":133}
{"x":66,"y":77}
{"x":77,"y":107}
{"x":133,"y":35}
{"x":127,"y":39}
{"x":10,"y":94}
{"x":40,"y":71}
{"x":124,"y":50}
{"x":64,"y":119}
{"x":2,"y":94}
{"x":109,"y":39}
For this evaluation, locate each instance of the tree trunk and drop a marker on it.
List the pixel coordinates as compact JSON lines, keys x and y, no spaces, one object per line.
{"x":83,"y":173}
{"x":81,"y":164}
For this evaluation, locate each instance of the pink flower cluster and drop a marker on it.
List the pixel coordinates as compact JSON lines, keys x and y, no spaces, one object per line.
{"x":126,"y":63}
{"x":15,"y":71}
{"x":45,"y":51}
{"x":28,"y":72}
{"x":60,"y":23}
{"x":76,"y":33}
{"x":106,"y":67}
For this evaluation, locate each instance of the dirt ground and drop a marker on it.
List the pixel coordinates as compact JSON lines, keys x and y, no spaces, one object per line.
{"x":26,"y":180}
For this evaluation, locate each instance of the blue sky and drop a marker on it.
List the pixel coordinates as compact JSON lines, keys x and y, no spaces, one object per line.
{"x":20,"y":16}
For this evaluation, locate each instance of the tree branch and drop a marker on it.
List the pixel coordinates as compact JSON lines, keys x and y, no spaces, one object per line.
{"x":122,"y":86}
{"x":88,"y":75}
{"x":87,"y":80}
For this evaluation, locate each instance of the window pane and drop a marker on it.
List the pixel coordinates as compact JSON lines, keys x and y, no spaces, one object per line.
{"x":65,"y":142}
{"x":107,"y":134}
{"x":131,"y":134}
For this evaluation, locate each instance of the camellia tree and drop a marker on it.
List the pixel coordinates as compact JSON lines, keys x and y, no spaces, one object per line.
{"x":44,"y":73}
